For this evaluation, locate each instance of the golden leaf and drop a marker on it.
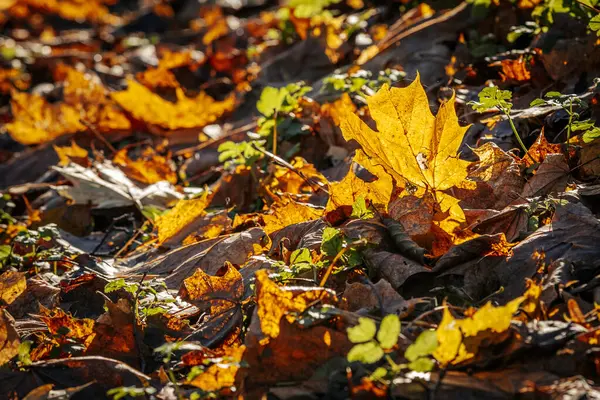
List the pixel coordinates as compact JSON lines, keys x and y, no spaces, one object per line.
{"x":220,"y":375}
{"x":289,"y":212}
{"x":76,"y":10}
{"x":63,"y":328}
{"x":74,"y":153}
{"x":195,"y":112}
{"x":149,"y":168}
{"x":161,"y":76}
{"x":415,"y":147}
{"x":460,"y":339}
{"x":284,"y":180}
{"x":220,"y":291}
{"x":12,"y":284}
{"x":36,"y":121}
{"x":274,"y":302}
{"x":176,"y":220}
{"x":9,"y":338}
{"x":346,"y":191}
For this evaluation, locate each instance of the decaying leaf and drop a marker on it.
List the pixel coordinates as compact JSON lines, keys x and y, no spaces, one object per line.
{"x":220,"y":292}
{"x":287,"y":213}
{"x":149,"y":168}
{"x":222,"y":373}
{"x":12,"y":284}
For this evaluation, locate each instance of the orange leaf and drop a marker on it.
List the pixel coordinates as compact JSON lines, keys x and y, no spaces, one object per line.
{"x":220,"y":375}
{"x":150,"y":168}
{"x":74,"y":153}
{"x":12,"y":284}
{"x":220,"y":292}
{"x":275,"y":302}
{"x":9,"y":338}
{"x":289,"y":213}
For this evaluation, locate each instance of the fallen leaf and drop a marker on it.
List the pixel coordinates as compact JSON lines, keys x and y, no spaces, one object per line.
{"x":289,"y":212}
{"x":415,"y":147}
{"x":72,"y":153}
{"x":220,"y":292}
{"x":221,"y":374}
{"x":346,"y":191}
{"x":196,"y":112}
{"x":12,"y":285}
{"x":174,"y":224}
{"x":460,"y":339}
{"x":148,"y":168}
{"x":274,"y":302}
{"x":9,"y":338}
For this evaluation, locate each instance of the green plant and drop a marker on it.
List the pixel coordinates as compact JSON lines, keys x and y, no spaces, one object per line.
{"x":148,"y":301}
{"x":361,"y":83}
{"x":570,"y":103}
{"x":371,"y":343}
{"x":129,"y":391}
{"x":278,"y":121}
{"x":492,"y":97}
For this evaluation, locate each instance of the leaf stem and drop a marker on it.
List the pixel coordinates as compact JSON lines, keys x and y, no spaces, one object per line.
{"x":514,"y":129}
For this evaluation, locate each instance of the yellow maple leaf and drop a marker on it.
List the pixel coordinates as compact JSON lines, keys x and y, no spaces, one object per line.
{"x":413,"y":146}
{"x":175,"y":221}
{"x":346,"y":191}
{"x":289,"y":212}
{"x":460,"y":339}
{"x":195,"y":112}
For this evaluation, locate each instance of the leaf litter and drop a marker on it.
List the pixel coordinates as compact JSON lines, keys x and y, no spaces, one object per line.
{"x":320,"y":199}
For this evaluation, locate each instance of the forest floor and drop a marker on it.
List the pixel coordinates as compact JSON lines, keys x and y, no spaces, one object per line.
{"x":299,"y":199}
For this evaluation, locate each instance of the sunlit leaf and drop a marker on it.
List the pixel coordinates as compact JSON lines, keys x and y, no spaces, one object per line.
{"x":363,"y":332}
{"x":366,"y":353}
{"x":459,"y":339}
{"x":9,"y":338}
{"x":174,"y":222}
{"x":195,"y":112}
{"x":12,"y":285}
{"x":415,"y":147}
{"x":388,"y":332}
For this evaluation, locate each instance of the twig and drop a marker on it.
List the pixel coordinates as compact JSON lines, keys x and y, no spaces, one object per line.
{"x":289,"y":166}
{"x":211,"y":142}
{"x":97,"y":134}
